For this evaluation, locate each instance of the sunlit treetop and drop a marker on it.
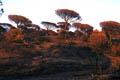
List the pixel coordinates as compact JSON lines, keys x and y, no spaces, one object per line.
{"x":76,"y":25}
{"x":82,"y":27}
{"x":86,"y":27}
{"x":96,"y":31}
{"x":19,"y":20}
{"x":68,"y":15}
{"x":98,"y":42}
{"x":110,"y":26}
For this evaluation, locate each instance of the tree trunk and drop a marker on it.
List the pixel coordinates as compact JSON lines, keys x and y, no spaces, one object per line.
{"x":17,"y":25}
{"x":98,"y":65}
{"x":66,"y":28}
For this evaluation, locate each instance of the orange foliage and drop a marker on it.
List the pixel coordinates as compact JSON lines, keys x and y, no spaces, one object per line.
{"x":83,"y":27}
{"x":111,"y":27}
{"x":76,"y":25}
{"x":14,"y":35}
{"x":67,"y":14}
{"x":115,"y":50}
{"x":19,"y":20}
{"x":98,"y":42}
{"x":115,"y":63}
{"x":96,"y":31}
{"x":62,"y":33}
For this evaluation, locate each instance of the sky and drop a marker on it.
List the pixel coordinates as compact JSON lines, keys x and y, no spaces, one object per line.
{"x":92,"y":11}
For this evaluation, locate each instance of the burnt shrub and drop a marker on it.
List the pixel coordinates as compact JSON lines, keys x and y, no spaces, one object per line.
{"x":70,"y":34}
{"x":50,"y":32}
{"x":2,"y":37}
{"x":42,"y":39}
{"x":14,"y":35}
{"x":78,"y":34}
{"x":62,"y":33}
{"x":30,"y":35}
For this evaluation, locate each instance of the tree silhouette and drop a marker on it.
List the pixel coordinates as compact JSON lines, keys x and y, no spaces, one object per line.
{"x":37,"y":27}
{"x":19,"y":20}
{"x":69,"y":16}
{"x":32,"y":26}
{"x":61,"y":25}
{"x":85,"y":29}
{"x":1,"y":9}
{"x":7,"y":25}
{"x":49,"y":25}
{"x":77,"y":26}
{"x":111,"y":28}
{"x":2,"y":30}
{"x":4,"y":27}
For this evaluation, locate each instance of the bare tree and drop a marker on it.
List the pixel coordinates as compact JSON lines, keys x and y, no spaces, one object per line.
{"x":69,"y":16}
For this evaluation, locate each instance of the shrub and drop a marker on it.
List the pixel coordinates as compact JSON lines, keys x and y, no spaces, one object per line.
{"x":62,"y":33}
{"x":98,"y":42}
{"x":2,"y":37}
{"x":14,"y":35}
{"x":78,"y":33}
{"x":115,"y":63}
{"x":115,"y":50}
{"x":70,"y":34}
{"x":42,"y":39}
{"x":50,"y":32}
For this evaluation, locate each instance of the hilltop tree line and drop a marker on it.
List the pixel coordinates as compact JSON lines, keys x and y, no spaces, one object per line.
{"x":110,"y":29}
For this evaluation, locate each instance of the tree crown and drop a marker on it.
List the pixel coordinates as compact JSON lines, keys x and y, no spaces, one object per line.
{"x":19,"y":20}
{"x":110,"y":26}
{"x":49,"y":25}
{"x":68,"y":15}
